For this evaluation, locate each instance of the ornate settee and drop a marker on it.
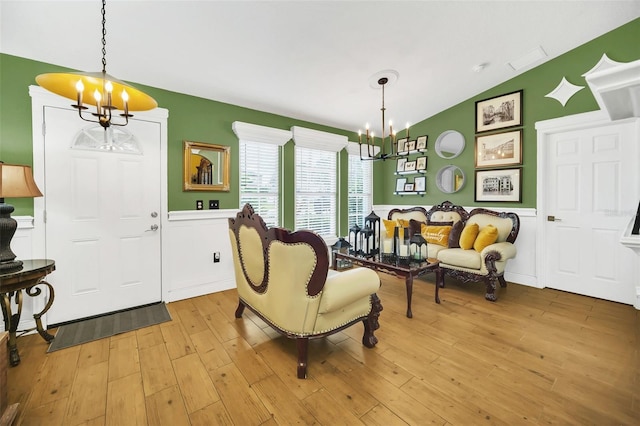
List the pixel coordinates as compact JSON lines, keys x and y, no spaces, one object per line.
{"x":284,"y":278}
{"x":462,"y":255}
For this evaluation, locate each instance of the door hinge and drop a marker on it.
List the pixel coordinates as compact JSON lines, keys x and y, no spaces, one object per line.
{"x":44,"y":216}
{"x":44,"y":128}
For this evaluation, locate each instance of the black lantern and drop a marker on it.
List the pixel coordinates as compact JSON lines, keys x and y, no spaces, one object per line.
{"x":420,"y":250}
{"x":366,"y":242}
{"x":354,"y":234}
{"x":341,"y":246}
{"x":373,"y":222}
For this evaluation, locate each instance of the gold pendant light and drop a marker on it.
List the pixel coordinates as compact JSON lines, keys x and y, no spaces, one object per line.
{"x":98,"y":95}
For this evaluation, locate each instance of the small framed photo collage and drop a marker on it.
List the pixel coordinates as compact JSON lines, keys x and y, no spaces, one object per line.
{"x":406,"y":165}
{"x":498,"y":148}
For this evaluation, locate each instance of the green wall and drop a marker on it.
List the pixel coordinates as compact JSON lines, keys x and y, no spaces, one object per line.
{"x":621,"y":44}
{"x":203,"y":120}
{"x":190,"y":118}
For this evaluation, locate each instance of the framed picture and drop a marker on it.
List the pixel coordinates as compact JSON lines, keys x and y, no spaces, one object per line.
{"x":421,"y":163}
{"x":408,"y":187}
{"x":400,"y":184}
{"x":499,"y":185}
{"x":411,"y":145}
{"x":500,"y":149}
{"x":420,"y":183}
{"x":499,"y":113}
{"x":410,"y":166}
{"x":421,"y":142}
{"x":402,"y":146}
{"x":400,"y":164}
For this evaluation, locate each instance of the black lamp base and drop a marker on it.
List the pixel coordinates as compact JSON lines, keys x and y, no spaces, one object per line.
{"x":11,"y":266}
{"x":8,"y":226}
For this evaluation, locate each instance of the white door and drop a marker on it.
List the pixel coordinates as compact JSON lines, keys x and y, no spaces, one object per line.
{"x":589,"y":198}
{"x":102,"y":205}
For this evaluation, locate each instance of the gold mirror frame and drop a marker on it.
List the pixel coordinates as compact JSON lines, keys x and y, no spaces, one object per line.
{"x":206,"y":167}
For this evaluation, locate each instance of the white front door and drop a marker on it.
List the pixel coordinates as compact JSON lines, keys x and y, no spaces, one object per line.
{"x":589,"y":198}
{"x":102,"y":212}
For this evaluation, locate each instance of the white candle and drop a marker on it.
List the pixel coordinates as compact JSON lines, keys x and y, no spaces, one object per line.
{"x":404,"y":251}
{"x":386,"y":246}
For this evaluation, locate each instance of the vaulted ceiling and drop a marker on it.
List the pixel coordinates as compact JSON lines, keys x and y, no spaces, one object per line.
{"x":311,"y":60}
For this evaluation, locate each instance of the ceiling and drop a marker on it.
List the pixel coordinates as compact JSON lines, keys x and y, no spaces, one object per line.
{"x":311,"y":60}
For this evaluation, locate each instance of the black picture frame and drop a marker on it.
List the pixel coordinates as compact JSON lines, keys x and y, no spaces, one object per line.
{"x":499,"y":112}
{"x":499,"y":185}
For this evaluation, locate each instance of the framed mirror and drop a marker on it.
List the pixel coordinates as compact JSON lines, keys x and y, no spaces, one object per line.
{"x":450,"y":179}
{"x":206,"y":167}
{"x":450,"y":144}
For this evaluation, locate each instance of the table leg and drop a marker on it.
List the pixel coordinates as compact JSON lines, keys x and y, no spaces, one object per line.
{"x":11,"y":321}
{"x":34,"y":291}
{"x":439,"y":282}
{"x":409,"y":284}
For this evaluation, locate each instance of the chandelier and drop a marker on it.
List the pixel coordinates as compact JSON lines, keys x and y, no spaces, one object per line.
{"x":102,"y":93}
{"x":388,"y":147}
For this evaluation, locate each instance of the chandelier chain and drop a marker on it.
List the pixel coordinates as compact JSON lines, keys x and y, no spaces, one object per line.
{"x":104,"y":38}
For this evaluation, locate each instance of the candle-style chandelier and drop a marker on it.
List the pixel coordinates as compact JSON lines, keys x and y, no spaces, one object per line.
{"x":99,"y":90}
{"x":388,"y":147}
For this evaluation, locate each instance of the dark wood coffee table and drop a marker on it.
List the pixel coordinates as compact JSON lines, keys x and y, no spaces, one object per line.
{"x":407,"y":271}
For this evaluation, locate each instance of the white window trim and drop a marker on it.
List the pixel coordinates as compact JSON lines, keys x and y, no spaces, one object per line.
{"x":315,"y":139}
{"x":255,"y":133}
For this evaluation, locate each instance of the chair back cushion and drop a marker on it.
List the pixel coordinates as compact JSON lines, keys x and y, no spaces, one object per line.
{"x":279,"y":273}
{"x":415,"y":213}
{"x":508,"y":224}
{"x":446,"y":212}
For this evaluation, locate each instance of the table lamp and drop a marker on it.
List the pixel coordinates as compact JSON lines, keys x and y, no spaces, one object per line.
{"x":15,"y":182}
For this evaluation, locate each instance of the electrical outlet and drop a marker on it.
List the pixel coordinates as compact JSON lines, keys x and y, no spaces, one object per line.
{"x":199,"y":204}
{"x":216,"y":256}
{"x":214,"y":204}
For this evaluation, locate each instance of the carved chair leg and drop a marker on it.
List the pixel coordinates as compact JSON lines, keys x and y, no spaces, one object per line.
{"x":239,"y":309}
{"x":302,"y":343}
{"x":491,"y":290}
{"x":371,"y":322}
{"x":502,"y":281}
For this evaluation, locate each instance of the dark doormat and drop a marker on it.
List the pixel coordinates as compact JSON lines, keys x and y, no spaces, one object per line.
{"x":91,"y":329}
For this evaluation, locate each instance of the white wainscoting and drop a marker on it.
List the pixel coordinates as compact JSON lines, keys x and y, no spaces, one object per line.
{"x":522,"y":268}
{"x":189,"y":239}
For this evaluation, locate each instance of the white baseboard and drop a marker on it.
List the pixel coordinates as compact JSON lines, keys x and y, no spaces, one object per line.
{"x":199,"y":290}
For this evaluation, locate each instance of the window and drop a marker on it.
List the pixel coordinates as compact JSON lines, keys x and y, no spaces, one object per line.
{"x":259,"y":168}
{"x":316,"y":190}
{"x":259,"y":179}
{"x":316,"y":180}
{"x":360,"y":187}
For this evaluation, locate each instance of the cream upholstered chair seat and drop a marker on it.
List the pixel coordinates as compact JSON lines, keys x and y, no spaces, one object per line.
{"x":284,"y":278}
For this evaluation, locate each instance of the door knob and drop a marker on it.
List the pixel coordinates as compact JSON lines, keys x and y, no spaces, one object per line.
{"x":552,"y":219}
{"x":154,"y":227}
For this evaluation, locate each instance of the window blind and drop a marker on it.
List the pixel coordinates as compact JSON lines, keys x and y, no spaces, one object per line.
{"x":360,"y":187}
{"x":316,"y":187}
{"x":260,"y":181}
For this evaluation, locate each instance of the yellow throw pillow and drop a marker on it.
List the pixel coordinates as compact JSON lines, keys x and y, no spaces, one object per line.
{"x":487,"y":236}
{"x":468,"y":236}
{"x":389,"y":226}
{"x":436,"y":234}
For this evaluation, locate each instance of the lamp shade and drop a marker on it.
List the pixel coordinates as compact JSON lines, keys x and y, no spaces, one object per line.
{"x":16,"y":181}
{"x":64,"y":84}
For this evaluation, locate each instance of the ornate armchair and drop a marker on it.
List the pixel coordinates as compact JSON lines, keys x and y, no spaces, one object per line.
{"x":284,"y":278}
{"x":483,"y":262}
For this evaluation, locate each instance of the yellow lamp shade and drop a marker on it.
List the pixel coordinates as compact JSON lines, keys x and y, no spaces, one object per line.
{"x":16,"y":181}
{"x":64,"y":84}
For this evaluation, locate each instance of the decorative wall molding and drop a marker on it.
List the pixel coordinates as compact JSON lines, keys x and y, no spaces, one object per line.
{"x":263,"y":134}
{"x":316,"y":139}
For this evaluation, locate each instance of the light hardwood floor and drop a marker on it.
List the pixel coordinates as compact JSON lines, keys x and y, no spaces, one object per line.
{"x":534,"y":357}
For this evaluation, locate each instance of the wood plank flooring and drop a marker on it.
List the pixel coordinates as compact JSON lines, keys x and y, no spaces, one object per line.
{"x":534,"y":357}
